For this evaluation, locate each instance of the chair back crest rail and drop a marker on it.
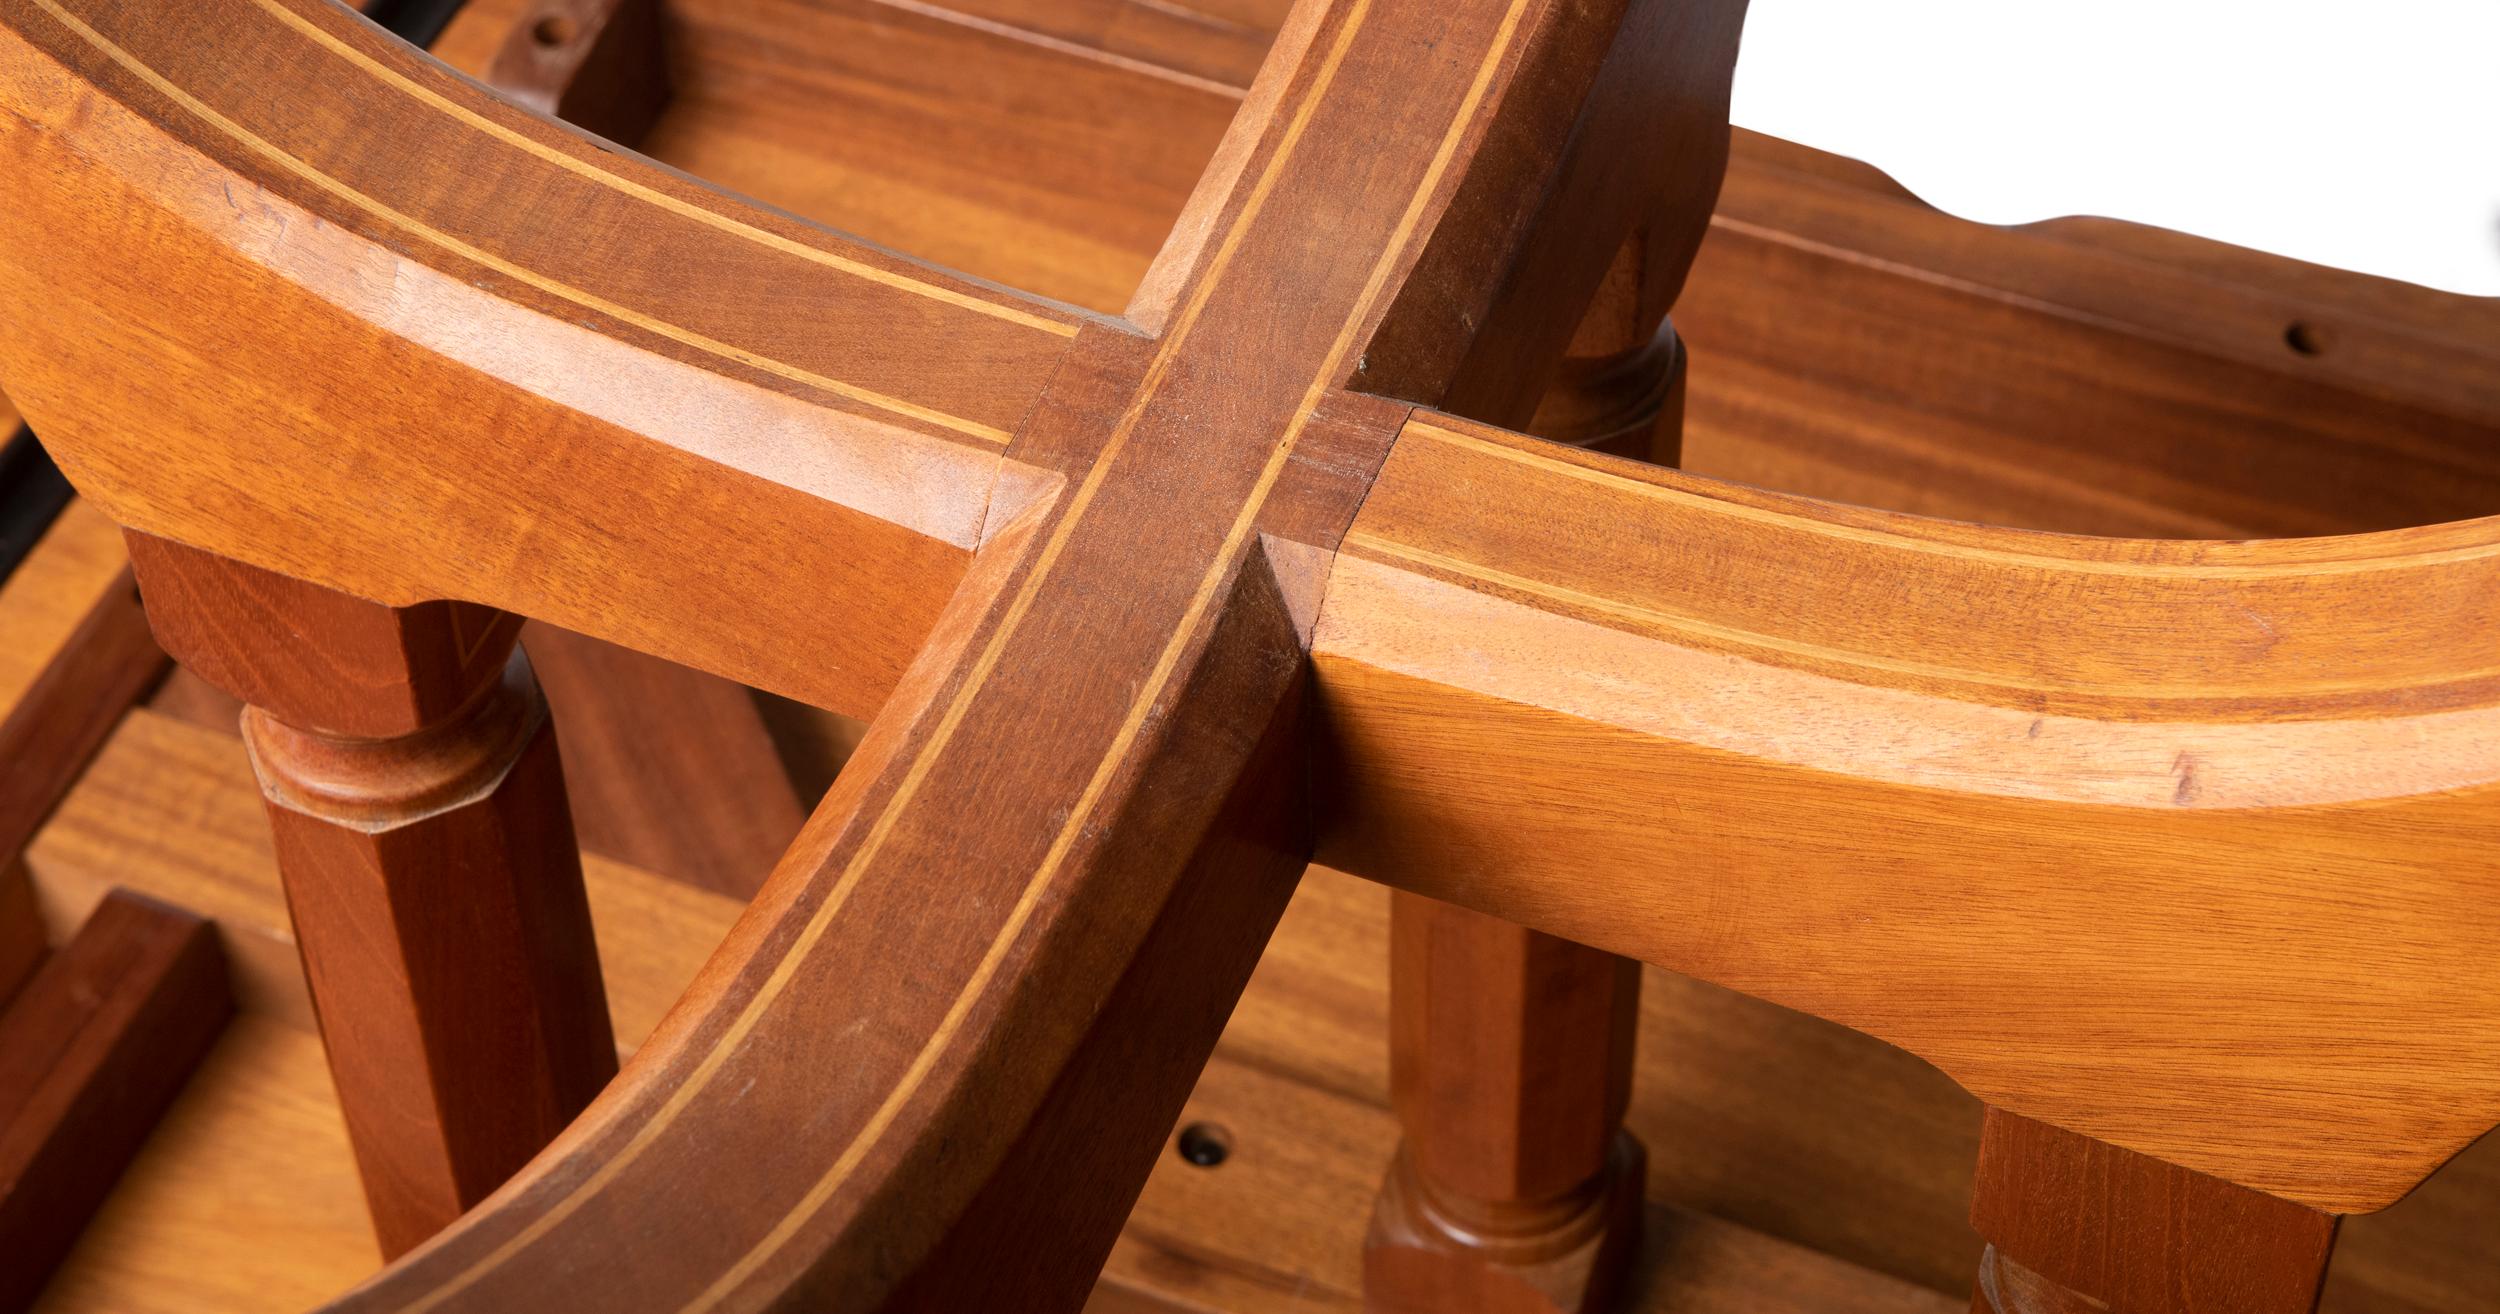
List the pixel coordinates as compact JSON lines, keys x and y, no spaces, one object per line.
{"x":2183,"y":847}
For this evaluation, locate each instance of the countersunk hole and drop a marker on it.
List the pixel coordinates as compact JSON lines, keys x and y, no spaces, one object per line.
{"x":1204,"y":1144}
{"x":552,"y":31}
{"x":2306,"y":338}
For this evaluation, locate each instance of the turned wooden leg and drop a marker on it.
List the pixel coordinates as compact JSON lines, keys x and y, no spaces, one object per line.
{"x":1620,"y":389}
{"x":1515,"y":1187}
{"x":412,"y":781}
{"x":2074,"y":1225}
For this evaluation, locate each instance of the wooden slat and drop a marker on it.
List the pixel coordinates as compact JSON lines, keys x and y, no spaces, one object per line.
{"x":245,"y":1201}
{"x":667,"y":768}
{"x":22,"y":940}
{"x":2081,"y":376}
{"x":77,"y":653}
{"x":91,"y":1052}
{"x":1033,"y":162}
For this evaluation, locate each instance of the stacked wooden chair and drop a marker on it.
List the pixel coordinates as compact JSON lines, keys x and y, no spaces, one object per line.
{"x":1341,"y":530}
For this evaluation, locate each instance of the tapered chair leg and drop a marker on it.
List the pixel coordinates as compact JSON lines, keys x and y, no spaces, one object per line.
{"x":430,"y":870}
{"x":2075,"y":1225}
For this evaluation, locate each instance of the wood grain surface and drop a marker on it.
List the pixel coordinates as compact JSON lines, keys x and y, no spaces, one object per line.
{"x":77,"y":652}
{"x":1788,"y":1127}
{"x":1978,"y":792}
{"x":416,"y":797}
{"x":91,"y":1052}
{"x":2058,"y":814}
{"x":2073,"y":1224}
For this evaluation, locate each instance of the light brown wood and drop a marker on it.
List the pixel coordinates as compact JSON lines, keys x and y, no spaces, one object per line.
{"x":690,"y":411}
{"x":1982,"y":689}
{"x":2082,"y":376}
{"x":243,"y":1202}
{"x":1914,"y":883}
{"x":246,"y":1198}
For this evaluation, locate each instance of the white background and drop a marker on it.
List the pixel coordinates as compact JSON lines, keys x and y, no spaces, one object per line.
{"x":2362,"y":134}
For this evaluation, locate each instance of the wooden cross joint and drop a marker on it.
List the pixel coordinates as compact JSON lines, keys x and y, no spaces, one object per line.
{"x":1153,"y":610}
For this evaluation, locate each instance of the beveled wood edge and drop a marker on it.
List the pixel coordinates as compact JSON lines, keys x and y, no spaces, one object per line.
{"x":2389,"y":624}
{"x":1704,"y":751}
{"x":341,"y":258}
{"x":2320,"y":558}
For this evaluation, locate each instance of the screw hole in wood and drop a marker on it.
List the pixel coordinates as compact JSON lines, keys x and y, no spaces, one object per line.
{"x":2305,"y":338}
{"x":552,"y":31}
{"x":1204,"y":1144}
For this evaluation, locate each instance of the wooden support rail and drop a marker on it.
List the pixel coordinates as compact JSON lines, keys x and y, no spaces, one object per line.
{"x":1821,"y":756}
{"x":91,"y":1052}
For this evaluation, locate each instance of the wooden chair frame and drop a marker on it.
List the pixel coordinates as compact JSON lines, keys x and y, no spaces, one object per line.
{"x":2177,"y":851}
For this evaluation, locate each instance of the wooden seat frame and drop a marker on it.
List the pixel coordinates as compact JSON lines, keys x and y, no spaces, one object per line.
{"x":2181,"y":851}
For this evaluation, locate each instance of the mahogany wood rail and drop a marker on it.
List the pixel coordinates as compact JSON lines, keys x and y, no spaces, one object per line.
{"x":2178,"y":852}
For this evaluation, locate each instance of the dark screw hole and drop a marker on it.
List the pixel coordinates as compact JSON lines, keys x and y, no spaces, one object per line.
{"x":552,"y":32}
{"x":1205,"y":1144}
{"x":2307,"y":339}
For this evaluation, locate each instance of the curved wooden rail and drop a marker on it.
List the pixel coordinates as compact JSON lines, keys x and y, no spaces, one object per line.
{"x":445,"y":320}
{"x":2205,"y":828}
{"x":2184,"y":845}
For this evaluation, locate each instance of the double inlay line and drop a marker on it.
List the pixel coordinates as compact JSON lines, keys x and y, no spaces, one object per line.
{"x":985,"y":433}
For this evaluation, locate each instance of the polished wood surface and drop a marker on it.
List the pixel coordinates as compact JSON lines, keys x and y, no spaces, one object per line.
{"x":839,"y":439}
{"x":91,"y":1052}
{"x":2076,"y":1225}
{"x":1516,"y":1187}
{"x":667,"y":768}
{"x":414,"y":789}
{"x":1829,"y":1141}
{"x":77,"y":653}
{"x":2233,"y":729}
{"x":1918,"y":730}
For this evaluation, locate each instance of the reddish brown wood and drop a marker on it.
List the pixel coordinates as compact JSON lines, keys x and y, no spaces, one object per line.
{"x":413,"y":783}
{"x":1516,"y":1187}
{"x":600,"y":64}
{"x":22,"y":946}
{"x":889,"y":1027}
{"x":1621,"y":388}
{"x":91,"y":1052}
{"x":63,"y":717}
{"x":669,"y":769}
{"x":2074,"y":1224}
